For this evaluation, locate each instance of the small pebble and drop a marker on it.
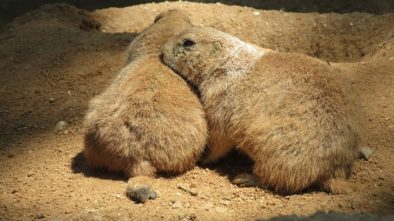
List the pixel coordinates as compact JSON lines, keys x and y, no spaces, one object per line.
{"x":51,"y":100}
{"x":90,"y":210}
{"x":176,"y":205}
{"x":60,"y":125}
{"x":221,"y":209}
{"x":39,"y":216}
{"x":226,"y":203}
{"x":191,"y":191}
{"x":271,"y":203}
{"x":192,"y":217}
{"x":256,"y":13}
{"x":365,"y":152}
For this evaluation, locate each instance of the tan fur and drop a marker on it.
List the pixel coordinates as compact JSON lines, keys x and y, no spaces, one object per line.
{"x":149,"y":42}
{"x":148,"y":120}
{"x":284,"y":110}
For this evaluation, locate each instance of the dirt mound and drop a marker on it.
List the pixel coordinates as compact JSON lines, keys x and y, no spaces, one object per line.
{"x":55,"y":59}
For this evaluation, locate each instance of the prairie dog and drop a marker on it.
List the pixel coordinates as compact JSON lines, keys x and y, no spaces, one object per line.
{"x":148,"y":120}
{"x":166,"y":25}
{"x":284,"y":110}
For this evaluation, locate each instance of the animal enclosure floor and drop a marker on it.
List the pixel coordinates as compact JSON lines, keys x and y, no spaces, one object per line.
{"x":55,"y":59}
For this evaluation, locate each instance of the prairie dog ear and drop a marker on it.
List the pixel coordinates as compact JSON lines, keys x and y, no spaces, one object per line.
{"x":216,"y":47}
{"x":175,"y":12}
{"x":158,"y":17}
{"x":161,"y":15}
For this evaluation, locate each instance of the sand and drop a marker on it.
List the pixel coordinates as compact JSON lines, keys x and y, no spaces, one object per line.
{"x":55,"y":59}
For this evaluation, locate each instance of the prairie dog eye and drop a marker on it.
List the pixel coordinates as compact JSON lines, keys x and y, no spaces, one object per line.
{"x":188,"y":43}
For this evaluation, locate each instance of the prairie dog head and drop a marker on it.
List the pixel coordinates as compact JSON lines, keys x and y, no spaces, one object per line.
{"x":200,"y":54}
{"x":166,"y":25}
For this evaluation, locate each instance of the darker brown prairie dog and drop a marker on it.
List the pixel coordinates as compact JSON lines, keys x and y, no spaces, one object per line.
{"x":284,"y":110}
{"x":148,"y":120}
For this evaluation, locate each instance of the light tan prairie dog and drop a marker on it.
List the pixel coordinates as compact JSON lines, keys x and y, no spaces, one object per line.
{"x":283,"y":109}
{"x":148,"y":120}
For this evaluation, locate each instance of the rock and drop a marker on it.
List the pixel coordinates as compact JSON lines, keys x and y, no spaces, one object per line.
{"x":226,"y":203}
{"x":207,"y":206}
{"x":51,"y":100}
{"x":188,"y":205}
{"x":117,"y":196}
{"x":256,"y":13}
{"x":365,"y":152}
{"x":191,"y":191}
{"x":176,"y":205}
{"x":140,"y":194}
{"x":97,"y":217}
{"x":271,"y":203}
{"x":90,"y":210}
{"x":352,"y":206}
{"x":184,"y":217}
{"x":245,"y":180}
{"x":39,"y":216}
{"x":221,"y":209}
{"x":192,"y":217}
{"x":60,"y":125}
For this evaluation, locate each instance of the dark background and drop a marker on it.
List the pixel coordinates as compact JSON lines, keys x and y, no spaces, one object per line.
{"x":10,"y":9}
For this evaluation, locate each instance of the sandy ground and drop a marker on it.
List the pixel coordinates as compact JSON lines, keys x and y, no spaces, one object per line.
{"x":55,"y":59}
